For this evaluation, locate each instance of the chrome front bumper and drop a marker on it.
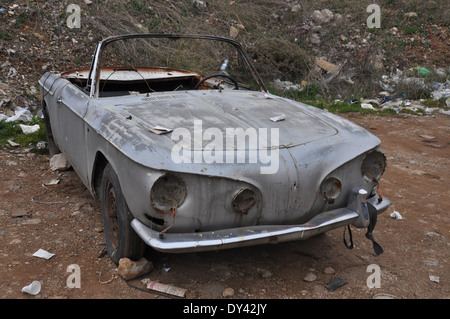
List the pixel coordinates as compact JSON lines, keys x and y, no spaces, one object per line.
{"x":262,"y":234}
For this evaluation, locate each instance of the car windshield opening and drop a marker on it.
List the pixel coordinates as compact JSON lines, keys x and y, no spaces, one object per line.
{"x":147,"y":65}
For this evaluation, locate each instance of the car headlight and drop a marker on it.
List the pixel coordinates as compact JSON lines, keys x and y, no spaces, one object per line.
{"x":373,"y":166}
{"x":168,"y":193}
{"x":244,"y":199}
{"x":330,"y":189}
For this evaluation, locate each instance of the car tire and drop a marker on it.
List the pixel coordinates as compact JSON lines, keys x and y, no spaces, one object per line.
{"x":121,"y":239}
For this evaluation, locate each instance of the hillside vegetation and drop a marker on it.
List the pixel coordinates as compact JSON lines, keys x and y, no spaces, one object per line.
{"x":325,"y":47}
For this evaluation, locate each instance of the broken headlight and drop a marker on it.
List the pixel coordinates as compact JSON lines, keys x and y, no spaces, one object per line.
{"x":373,"y":166}
{"x":243,"y":200}
{"x":330,"y":189}
{"x":168,"y":193}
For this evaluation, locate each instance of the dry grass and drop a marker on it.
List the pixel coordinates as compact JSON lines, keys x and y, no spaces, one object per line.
{"x":264,"y":27}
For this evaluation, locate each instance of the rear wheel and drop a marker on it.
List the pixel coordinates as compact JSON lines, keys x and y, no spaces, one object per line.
{"x":121,"y":239}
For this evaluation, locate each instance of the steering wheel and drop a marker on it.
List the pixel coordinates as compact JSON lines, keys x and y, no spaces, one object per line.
{"x":236,"y":86}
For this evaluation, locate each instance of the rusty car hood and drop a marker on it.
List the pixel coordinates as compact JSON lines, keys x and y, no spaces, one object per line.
{"x":226,"y":110}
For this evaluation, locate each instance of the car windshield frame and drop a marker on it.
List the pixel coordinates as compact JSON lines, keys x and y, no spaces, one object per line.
{"x":93,"y":80}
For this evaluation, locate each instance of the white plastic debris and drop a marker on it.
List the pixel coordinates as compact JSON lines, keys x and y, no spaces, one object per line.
{"x":27,"y":129}
{"x":278,"y":118}
{"x":434,"y":278}
{"x":396,"y":215}
{"x":41,"y":253}
{"x":41,"y":145}
{"x":51,"y":182}
{"x":33,"y":289}
{"x":164,"y":288}
{"x":441,"y":91}
{"x":160,"y":130}
{"x":367,"y":106}
{"x":20,"y":114}
{"x":12,"y":143}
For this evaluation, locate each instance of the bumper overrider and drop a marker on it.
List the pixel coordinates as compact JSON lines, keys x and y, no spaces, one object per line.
{"x":357,"y":213}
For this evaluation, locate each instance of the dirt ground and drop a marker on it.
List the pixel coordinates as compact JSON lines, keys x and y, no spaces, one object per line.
{"x":64,"y":220}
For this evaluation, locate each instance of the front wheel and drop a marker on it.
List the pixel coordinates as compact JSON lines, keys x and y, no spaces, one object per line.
{"x":121,"y":239}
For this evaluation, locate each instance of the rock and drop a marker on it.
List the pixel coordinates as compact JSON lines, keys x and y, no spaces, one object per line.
{"x":411,"y":14}
{"x":296,"y":8}
{"x":432,"y":234}
{"x":15,"y":241}
{"x":4,"y":103}
{"x":21,"y":213}
{"x":199,"y":4}
{"x":378,"y":62}
{"x":233,"y":32}
{"x":321,"y":17}
{"x":318,"y":17}
{"x":310,"y":277}
{"x":315,"y":39}
{"x":228,"y":292}
{"x":318,"y":29}
{"x":328,"y":15}
{"x":11,"y":163}
{"x":59,"y":162}
{"x":338,"y":18}
{"x":265,"y":273}
{"x":240,"y":26}
{"x":31,"y":221}
{"x":329,"y":271}
{"x":129,"y":269}
{"x":327,"y":66}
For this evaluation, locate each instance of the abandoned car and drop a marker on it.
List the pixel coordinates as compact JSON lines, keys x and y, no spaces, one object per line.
{"x":186,"y":149}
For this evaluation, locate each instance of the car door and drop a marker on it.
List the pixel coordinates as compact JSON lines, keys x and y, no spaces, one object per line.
{"x":72,"y":104}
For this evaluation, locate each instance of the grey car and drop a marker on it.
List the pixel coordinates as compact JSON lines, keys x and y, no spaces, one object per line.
{"x":186,"y":149}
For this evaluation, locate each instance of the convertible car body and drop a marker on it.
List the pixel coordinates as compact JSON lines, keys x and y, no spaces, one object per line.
{"x":187,"y":151}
